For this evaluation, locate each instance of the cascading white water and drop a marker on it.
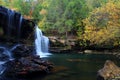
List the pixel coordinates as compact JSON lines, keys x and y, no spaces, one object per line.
{"x":45,"y":44}
{"x":7,"y":52}
{"x":10,"y":21}
{"x":14,"y":47}
{"x":19,"y":27}
{"x":41,"y":43}
{"x":11,"y":24}
{"x":2,"y":68}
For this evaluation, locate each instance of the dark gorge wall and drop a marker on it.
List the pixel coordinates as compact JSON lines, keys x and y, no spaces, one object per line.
{"x":12,"y":24}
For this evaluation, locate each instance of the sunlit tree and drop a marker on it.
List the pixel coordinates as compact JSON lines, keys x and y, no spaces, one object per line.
{"x":103,"y":25}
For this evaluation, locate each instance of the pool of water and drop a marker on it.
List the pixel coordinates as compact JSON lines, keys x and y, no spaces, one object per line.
{"x":77,"y":66}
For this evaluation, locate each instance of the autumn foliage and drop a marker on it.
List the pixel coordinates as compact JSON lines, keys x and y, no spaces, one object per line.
{"x":102,"y":27}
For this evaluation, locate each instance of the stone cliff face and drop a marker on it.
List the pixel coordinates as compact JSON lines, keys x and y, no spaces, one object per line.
{"x":14,"y":25}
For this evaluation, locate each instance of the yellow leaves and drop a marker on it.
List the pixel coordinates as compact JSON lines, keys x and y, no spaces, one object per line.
{"x":15,"y":9}
{"x":116,"y":43}
{"x":103,"y":24}
{"x":28,"y":17}
{"x":2,"y":2}
{"x":42,"y":23}
{"x":110,"y":5}
{"x":100,"y":36}
{"x":45,"y":4}
{"x":43,"y":12}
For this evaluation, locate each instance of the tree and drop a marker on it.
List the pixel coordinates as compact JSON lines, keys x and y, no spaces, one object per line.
{"x":65,"y":16}
{"x":103,"y":25}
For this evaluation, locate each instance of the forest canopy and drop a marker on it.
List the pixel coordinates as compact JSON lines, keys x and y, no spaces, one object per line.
{"x":93,"y":21}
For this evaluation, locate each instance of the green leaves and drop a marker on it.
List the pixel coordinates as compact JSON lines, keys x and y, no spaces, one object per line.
{"x":64,"y":14}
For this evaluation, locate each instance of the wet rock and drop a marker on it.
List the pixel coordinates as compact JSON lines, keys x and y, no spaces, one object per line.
{"x":3,"y":57}
{"x":26,"y":64}
{"x":109,"y":72}
{"x":22,"y":51}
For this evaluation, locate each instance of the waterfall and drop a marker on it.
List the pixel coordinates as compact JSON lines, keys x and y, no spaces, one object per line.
{"x":19,"y":27}
{"x":11,"y":14}
{"x":14,"y":21}
{"x":13,"y":28}
{"x":41,"y":43}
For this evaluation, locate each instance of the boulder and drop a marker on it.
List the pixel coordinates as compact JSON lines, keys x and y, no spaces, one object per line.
{"x":109,"y":72}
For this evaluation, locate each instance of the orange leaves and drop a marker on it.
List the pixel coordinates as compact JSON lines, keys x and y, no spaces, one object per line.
{"x":43,"y":12}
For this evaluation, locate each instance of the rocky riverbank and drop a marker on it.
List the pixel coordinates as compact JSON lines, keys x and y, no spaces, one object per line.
{"x":26,"y":63}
